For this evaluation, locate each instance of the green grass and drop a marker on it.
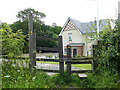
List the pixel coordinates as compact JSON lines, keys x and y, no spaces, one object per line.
{"x":83,"y":66}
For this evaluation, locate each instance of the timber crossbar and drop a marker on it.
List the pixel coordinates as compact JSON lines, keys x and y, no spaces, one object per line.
{"x":83,"y":58}
{"x":47,"y":49}
{"x":47,"y":70}
{"x":81,"y":71}
{"x":50,"y":60}
{"x":46,"y":38}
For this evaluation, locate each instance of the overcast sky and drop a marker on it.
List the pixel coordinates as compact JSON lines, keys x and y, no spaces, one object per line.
{"x":57,"y":11}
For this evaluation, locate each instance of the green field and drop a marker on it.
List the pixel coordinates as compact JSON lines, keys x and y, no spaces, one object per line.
{"x":83,"y":66}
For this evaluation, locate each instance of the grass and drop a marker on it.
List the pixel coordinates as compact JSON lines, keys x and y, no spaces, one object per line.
{"x":83,"y":66}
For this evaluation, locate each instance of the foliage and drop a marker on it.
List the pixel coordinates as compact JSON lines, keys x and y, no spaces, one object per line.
{"x":78,"y":56}
{"x":107,"y":59}
{"x":104,"y":80}
{"x":49,"y":55}
{"x":39,"y":27}
{"x":108,"y":53}
{"x":23,"y":14}
{"x":12,"y":43}
{"x":21,"y":78}
{"x":92,"y":34}
{"x":65,"y":79}
{"x":15,"y":72}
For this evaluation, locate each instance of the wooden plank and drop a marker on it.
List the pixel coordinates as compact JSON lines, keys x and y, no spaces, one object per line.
{"x":82,"y":76}
{"x":49,"y":60}
{"x":46,"y":38}
{"x":47,"y":49}
{"x":81,"y":71}
{"x":88,"y":62}
{"x":61,"y":61}
{"x":47,"y":70}
{"x":83,"y":58}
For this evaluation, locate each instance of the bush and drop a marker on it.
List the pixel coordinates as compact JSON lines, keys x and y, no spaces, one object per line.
{"x":65,"y":79}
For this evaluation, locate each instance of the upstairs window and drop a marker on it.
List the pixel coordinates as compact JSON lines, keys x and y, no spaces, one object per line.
{"x":70,"y":36}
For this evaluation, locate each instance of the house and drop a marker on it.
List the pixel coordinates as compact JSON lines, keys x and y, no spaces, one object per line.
{"x":74,"y":33}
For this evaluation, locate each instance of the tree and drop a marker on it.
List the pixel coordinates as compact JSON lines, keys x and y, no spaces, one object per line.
{"x":23,"y":14}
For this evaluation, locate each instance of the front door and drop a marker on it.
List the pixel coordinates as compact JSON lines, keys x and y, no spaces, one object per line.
{"x":74,"y":52}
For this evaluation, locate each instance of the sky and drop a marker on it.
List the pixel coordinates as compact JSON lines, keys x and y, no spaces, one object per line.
{"x":57,"y":11}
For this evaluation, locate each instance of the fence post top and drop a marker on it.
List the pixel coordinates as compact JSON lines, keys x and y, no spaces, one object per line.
{"x":68,"y":45}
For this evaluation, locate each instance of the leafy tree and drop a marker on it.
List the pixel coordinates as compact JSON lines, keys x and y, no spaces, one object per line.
{"x":39,"y":27}
{"x":92,"y":30}
{"x":23,"y":14}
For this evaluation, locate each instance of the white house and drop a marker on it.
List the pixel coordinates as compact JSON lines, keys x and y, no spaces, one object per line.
{"x":74,"y":34}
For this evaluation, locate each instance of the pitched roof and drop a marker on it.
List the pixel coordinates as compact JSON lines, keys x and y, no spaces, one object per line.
{"x":83,"y":27}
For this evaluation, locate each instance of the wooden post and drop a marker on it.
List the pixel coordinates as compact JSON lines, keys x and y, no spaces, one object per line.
{"x":69,"y":60}
{"x":32,"y":44}
{"x":94,"y":63}
{"x":61,"y":62}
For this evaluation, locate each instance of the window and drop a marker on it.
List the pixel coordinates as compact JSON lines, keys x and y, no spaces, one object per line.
{"x":70,"y":36}
{"x":65,"y":51}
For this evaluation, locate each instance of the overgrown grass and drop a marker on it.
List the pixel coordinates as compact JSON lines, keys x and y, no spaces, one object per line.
{"x":21,"y":78}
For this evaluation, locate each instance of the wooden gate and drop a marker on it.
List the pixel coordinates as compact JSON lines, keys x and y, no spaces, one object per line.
{"x":59,"y":50}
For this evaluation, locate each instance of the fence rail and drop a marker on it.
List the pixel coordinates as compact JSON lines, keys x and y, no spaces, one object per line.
{"x":47,"y":49}
{"x":46,"y":38}
{"x":47,"y":70}
{"x":51,"y":60}
{"x":81,"y":71}
{"x":83,"y":58}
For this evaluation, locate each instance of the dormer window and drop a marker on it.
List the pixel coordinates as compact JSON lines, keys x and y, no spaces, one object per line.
{"x":70,"y":36}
